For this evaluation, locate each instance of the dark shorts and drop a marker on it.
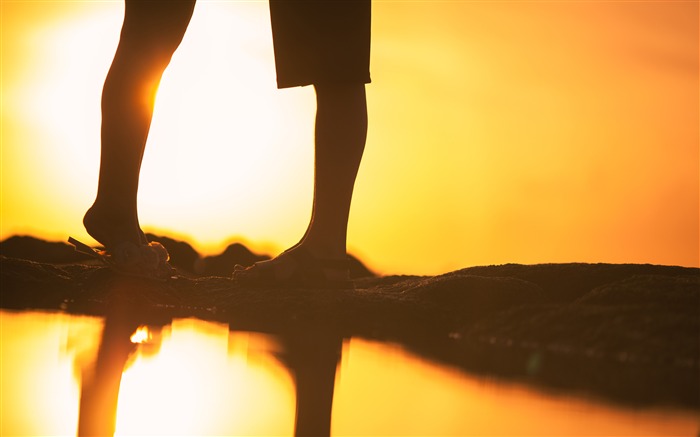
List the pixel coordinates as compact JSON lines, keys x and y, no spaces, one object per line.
{"x":321,"y":41}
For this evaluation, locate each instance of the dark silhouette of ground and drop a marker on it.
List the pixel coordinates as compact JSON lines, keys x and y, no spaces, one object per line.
{"x":622,"y":332}
{"x":222,"y":264}
{"x":182,"y":255}
{"x":186,"y":260}
{"x":31,"y":248}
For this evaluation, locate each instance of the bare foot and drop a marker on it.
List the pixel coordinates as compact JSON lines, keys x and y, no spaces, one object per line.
{"x":296,"y":264}
{"x":110,"y":230}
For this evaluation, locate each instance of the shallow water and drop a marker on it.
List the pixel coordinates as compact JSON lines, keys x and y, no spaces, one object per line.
{"x":192,"y":377}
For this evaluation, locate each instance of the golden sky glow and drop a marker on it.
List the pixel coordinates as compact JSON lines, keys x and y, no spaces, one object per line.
{"x":499,"y":132}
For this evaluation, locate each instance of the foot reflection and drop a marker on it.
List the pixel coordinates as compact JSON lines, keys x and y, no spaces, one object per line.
{"x":310,"y":355}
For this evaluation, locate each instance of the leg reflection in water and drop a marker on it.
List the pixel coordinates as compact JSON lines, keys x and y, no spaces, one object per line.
{"x":312,"y":358}
{"x":311,"y":355}
{"x":100,"y":384}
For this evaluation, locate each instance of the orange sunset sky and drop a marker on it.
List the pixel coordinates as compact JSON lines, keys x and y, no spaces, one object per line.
{"x":500,"y":131}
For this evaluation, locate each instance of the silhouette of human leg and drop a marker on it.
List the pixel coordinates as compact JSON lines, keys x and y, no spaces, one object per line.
{"x":151,"y":32}
{"x":341,"y":132}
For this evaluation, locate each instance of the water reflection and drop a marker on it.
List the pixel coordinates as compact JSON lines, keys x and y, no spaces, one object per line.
{"x":309,"y":354}
{"x":155,"y":376}
{"x":39,"y":388}
{"x":100,"y":382}
{"x":189,"y":377}
{"x":206,"y":380}
{"x":312,"y":356}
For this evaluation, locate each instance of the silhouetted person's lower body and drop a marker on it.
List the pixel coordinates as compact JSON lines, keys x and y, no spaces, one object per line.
{"x":151,"y":32}
{"x":323,"y":43}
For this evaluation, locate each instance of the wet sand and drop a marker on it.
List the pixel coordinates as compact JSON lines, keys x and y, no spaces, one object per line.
{"x":624,"y":333}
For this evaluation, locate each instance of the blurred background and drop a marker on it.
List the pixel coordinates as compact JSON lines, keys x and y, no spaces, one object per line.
{"x":500,"y":132}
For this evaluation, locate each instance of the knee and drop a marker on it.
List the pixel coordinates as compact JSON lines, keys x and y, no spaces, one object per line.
{"x":148,"y":45}
{"x":143,"y":54}
{"x":348,"y":88}
{"x":153,"y":30}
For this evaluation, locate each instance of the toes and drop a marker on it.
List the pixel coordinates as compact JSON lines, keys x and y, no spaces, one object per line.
{"x":238,"y":268}
{"x":240,"y":271}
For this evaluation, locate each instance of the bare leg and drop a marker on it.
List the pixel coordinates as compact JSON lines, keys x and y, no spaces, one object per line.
{"x":341,"y":132}
{"x":151,"y":32}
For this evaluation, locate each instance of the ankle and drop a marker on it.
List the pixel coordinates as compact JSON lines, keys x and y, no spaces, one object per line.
{"x":324,"y":251}
{"x":110,"y":229}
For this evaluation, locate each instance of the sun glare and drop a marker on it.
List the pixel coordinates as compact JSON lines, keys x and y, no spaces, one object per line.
{"x":499,"y":132}
{"x":171,"y":393}
{"x":50,"y":115}
{"x":223,"y":141}
{"x":223,"y":138}
{"x":141,"y":335}
{"x":40,"y":365}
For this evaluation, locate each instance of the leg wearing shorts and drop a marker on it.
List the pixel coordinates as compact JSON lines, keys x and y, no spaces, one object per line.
{"x":321,"y":41}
